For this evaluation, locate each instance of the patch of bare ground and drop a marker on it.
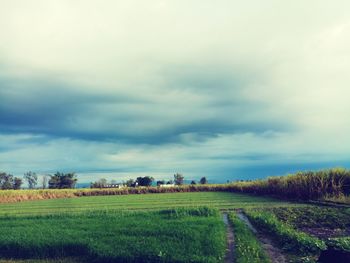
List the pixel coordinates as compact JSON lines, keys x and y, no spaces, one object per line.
{"x":229,"y":257}
{"x":275,"y":254}
{"x":325,"y":232}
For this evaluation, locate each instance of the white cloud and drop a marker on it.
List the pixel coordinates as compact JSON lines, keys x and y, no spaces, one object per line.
{"x":214,"y":82}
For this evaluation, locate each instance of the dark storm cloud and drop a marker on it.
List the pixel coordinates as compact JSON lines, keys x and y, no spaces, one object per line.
{"x":58,"y":109}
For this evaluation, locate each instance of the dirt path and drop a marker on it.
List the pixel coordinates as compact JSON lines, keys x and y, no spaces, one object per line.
{"x":274,"y":253}
{"x":230,"y":240}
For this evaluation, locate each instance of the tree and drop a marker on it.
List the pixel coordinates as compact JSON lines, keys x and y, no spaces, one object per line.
{"x":100,"y":183}
{"x":193,"y":182}
{"x":62,"y":181}
{"x":6,"y":181}
{"x":31,"y":178}
{"x":144,"y":181}
{"x":203,"y":180}
{"x":130,"y":183}
{"x":161,"y":182}
{"x":170,"y":182}
{"x":17,"y":182}
{"x":44,"y":181}
{"x":2,"y":177}
{"x":114,"y":181}
{"x":178,"y":179}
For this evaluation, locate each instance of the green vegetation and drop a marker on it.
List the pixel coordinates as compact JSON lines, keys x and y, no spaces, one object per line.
{"x":8,"y":181}
{"x":23,"y":195}
{"x":301,"y":186}
{"x":203,"y":180}
{"x":314,"y":217}
{"x":144,"y":181}
{"x":124,"y":225}
{"x":290,"y":239}
{"x":136,"y":217}
{"x":341,"y":243}
{"x":218,"y":200}
{"x":51,"y":260}
{"x":326,"y":185}
{"x":177,"y":235}
{"x":31,"y":178}
{"x":343,"y":199}
{"x":247,"y":247}
{"x":178,"y":179}
{"x":62,"y":180}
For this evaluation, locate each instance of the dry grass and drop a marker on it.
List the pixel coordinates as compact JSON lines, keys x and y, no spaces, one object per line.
{"x":10,"y":196}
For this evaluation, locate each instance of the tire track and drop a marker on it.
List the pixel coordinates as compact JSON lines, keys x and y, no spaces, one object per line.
{"x":229,"y":257}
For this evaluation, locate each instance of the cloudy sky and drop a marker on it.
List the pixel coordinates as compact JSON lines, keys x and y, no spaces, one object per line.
{"x":224,"y":89}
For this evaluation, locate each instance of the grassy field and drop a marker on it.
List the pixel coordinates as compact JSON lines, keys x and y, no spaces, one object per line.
{"x":125,"y":228}
{"x":247,"y":247}
{"x":166,"y":227}
{"x":181,"y":235}
{"x":220,"y":200}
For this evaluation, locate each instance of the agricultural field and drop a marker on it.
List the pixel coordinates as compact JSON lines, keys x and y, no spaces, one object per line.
{"x":170,"y":227}
{"x":219,"y":200}
{"x":180,"y":235}
{"x":306,"y":234}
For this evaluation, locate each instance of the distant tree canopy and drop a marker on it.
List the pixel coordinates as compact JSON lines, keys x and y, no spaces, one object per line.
{"x":193,"y":182}
{"x":17,"y":183}
{"x":31,"y":178}
{"x":144,"y":181}
{"x":178,"y":179}
{"x":8,"y":181}
{"x":161,"y":182}
{"x":100,"y":183}
{"x":44,"y":181}
{"x":130,"y":183}
{"x":203,"y":180}
{"x":62,"y":181}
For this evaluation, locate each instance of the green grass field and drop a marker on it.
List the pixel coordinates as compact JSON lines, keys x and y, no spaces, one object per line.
{"x":182,"y":235}
{"x":219,"y":200}
{"x":126,"y":228}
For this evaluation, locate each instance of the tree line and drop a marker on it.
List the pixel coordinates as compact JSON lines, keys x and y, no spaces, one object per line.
{"x":68,"y":180}
{"x":56,"y":181}
{"x":178,"y":179}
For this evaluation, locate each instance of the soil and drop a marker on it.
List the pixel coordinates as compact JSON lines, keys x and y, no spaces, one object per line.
{"x":274,"y":253}
{"x":324,"y":232}
{"x":229,"y":258}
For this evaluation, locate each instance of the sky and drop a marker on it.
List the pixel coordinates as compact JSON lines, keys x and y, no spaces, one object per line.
{"x":225,"y":89}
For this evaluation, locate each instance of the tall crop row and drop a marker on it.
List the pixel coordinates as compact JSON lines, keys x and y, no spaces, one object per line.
{"x":302,"y":186}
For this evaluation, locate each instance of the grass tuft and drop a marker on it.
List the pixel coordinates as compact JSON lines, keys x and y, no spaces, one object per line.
{"x":247,"y":247}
